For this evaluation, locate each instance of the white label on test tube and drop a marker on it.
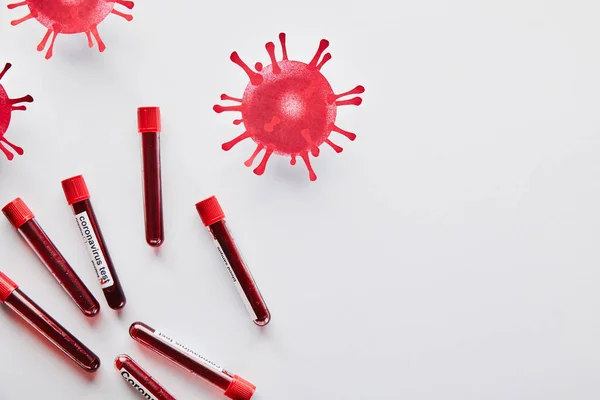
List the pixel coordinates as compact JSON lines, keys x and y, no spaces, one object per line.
{"x":96,"y":254}
{"x":236,"y":282}
{"x":136,"y":385}
{"x":205,"y":361}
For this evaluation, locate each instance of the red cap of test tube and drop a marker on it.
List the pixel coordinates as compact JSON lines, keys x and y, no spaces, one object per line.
{"x":210,"y":211}
{"x":7,"y":286}
{"x":75,"y":189}
{"x":17,"y":212}
{"x":148,"y":119}
{"x":240,"y":389}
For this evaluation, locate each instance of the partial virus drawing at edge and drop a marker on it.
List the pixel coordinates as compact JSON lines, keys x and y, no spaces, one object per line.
{"x":7,"y":106}
{"x":69,"y":17}
{"x":288,"y":108}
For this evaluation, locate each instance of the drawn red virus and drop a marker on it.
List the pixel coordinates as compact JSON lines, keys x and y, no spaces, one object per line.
{"x":69,"y":17}
{"x":288,"y":108}
{"x":7,"y":106}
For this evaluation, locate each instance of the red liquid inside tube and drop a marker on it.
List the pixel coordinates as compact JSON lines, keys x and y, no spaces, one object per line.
{"x":149,"y":128}
{"x":24,"y":221}
{"x":234,"y":387}
{"x":213,"y":217}
{"x":27,"y":309}
{"x":78,"y":197}
{"x":140,"y":380}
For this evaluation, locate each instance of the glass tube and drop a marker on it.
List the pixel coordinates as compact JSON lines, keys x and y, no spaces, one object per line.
{"x":21,"y":217}
{"x":149,"y":127}
{"x":34,"y":315}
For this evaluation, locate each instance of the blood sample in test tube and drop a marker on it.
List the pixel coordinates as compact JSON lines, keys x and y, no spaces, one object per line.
{"x":140,"y":380}
{"x":21,"y":217}
{"x":34,"y":315}
{"x":214,"y":219}
{"x":149,"y":127}
{"x":234,"y":387}
{"x":78,"y":197}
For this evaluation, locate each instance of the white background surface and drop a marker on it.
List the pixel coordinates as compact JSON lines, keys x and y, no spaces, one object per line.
{"x":449,"y":252}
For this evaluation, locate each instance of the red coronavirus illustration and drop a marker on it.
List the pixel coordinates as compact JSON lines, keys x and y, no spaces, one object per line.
{"x":70,"y":16}
{"x":7,"y":106}
{"x":288,"y":108}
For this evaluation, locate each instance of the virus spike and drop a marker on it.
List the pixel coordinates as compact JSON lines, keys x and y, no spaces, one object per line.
{"x":21,"y":20}
{"x":128,"y":4}
{"x":271,"y":50}
{"x":24,"y":99}
{"x":42,"y":45}
{"x":7,"y":153}
{"x":334,"y":146}
{"x":255,"y":79}
{"x":226,"y":97}
{"x":357,"y":90}
{"x":250,"y":161}
{"x":355,"y":101}
{"x":15,"y":5}
{"x":89,"y":38}
{"x":227,"y":146}
{"x":349,"y":135}
{"x":322,"y":46}
{"x":128,"y":17}
{"x":283,"y":46}
{"x":44,"y":41}
{"x":5,"y":70}
{"x":313,"y":148}
{"x":237,"y":121}
{"x":94,"y":31}
{"x":326,"y":58}
{"x":258,"y":66}
{"x":219,"y":108}
{"x":16,"y":148}
{"x":293,"y":160}
{"x":263,"y":163}
{"x":311,"y":172}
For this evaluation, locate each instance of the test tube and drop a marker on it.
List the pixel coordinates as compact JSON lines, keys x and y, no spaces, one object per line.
{"x":140,"y":380}
{"x":34,"y":315}
{"x":78,"y":197}
{"x":21,"y":217}
{"x":235,"y":387}
{"x":213,"y":217}
{"x":149,"y":128}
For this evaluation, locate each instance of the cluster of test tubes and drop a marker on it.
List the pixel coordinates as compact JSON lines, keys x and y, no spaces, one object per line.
{"x":78,"y":197}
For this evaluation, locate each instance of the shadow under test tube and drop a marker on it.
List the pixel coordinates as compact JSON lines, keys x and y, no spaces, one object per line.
{"x":78,"y":197}
{"x":213,"y":217}
{"x":141,"y":381}
{"x":13,"y":297}
{"x":149,"y":128}
{"x":21,"y":217}
{"x":235,"y":387}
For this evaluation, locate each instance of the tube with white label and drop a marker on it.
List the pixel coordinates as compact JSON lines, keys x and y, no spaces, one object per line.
{"x":140,"y":380}
{"x":234,"y":387}
{"x":78,"y":197}
{"x":213,"y":217}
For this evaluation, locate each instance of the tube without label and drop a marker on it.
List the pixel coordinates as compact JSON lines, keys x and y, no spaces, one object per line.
{"x":149,"y":129}
{"x":78,"y":197}
{"x":235,"y":387}
{"x":34,"y":315}
{"x":21,"y":217}
{"x":140,"y":380}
